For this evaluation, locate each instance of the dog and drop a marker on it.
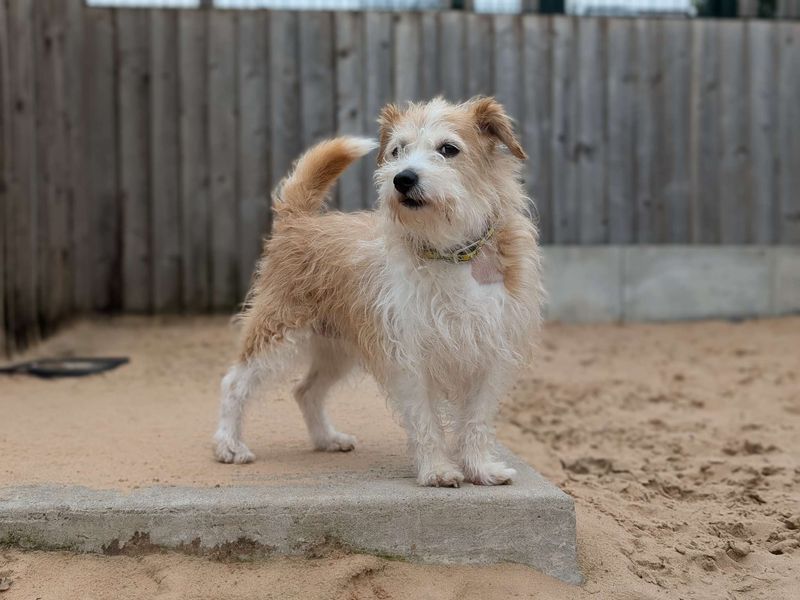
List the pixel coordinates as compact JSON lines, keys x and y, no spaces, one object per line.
{"x":436,"y":292}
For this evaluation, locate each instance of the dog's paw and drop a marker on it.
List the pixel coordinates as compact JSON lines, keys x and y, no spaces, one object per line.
{"x":231,"y":451}
{"x":493,"y":473}
{"x":441,"y":476}
{"x":338,"y":442}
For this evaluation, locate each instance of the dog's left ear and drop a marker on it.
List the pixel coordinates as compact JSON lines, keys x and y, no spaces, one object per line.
{"x":492,"y":120}
{"x":387,"y":119}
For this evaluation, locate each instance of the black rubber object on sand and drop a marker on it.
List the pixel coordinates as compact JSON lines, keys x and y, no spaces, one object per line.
{"x":51,"y":368}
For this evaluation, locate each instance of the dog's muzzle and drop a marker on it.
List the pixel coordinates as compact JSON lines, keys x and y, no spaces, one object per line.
{"x":405,"y":182}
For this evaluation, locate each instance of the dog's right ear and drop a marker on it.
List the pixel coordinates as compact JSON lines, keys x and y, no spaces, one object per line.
{"x":389,"y":116}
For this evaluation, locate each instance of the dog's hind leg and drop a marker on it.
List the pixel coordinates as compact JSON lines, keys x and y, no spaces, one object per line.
{"x":261,"y":356}
{"x":238,"y":386}
{"x":329,"y":363}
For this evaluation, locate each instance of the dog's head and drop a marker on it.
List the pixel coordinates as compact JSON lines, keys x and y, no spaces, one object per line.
{"x":446,"y":171}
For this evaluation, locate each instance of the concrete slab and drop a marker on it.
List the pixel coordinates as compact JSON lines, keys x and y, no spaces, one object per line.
{"x":786,"y":298}
{"x":530,"y":522}
{"x":122,"y":462}
{"x":681,"y":282}
{"x":583,"y":283}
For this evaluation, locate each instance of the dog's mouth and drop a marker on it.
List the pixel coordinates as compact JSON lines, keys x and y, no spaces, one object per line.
{"x":412,"y":203}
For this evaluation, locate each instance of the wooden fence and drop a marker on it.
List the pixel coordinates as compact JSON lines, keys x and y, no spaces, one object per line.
{"x":139,"y":146}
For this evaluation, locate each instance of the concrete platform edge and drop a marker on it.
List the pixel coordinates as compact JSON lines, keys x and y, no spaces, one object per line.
{"x":530,"y":522}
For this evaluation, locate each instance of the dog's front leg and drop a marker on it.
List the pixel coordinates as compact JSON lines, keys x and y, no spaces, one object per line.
{"x":426,"y":435}
{"x":476,"y":439}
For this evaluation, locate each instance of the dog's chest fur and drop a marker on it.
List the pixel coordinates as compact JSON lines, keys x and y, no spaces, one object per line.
{"x":445,"y":317}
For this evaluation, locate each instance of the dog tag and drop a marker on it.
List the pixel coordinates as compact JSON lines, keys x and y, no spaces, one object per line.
{"x":486,"y":268}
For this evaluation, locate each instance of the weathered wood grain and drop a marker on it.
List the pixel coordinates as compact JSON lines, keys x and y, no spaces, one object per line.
{"x":284,"y":91}
{"x":134,"y":77}
{"x":650,"y":209}
{"x":21,"y":278}
{"x":222,"y":128}
{"x":431,"y":81}
{"x":480,"y":54}
{"x":318,"y":117}
{"x":704,"y":132}
{"x":5,"y":198}
{"x":254,"y":142}
{"x":674,"y":126}
{"x":452,"y":41}
{"x":165,"y":162}
{"x":591,"y":139}
{"x":789,"y":131}
{"x":407,"y":57}
{"x":102,"y":236}
{"x":508,"y":63}
{"x":622,"y":83}
{"x":734,"y":157}
{"x":193,"y":60}
{"x":763,"y":124}
{"x":349,"y":102}
{"x":564,"y":132}
{"x":535,"y":120}
{"x":379,"y":86}
{"x":54,"y":214}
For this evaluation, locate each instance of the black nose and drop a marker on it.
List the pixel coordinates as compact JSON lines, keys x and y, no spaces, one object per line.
{"x":405,"y":180}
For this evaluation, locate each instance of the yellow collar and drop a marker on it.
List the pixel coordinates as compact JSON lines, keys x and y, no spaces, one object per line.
{"x":465,"y":254}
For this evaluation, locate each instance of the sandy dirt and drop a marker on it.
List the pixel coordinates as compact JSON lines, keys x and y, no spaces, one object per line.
{"x":680,"y":444}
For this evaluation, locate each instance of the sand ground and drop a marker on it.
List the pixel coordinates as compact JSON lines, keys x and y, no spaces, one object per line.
{"x":680,"y":444}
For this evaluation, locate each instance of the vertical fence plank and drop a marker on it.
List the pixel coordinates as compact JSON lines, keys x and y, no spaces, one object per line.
{"x":133,"y":55}
{"x":318,"y":117}
{"x":193,"y":38}
{"x":54,"y":215}
{"x":649,"y":201}
{"x":480,"y":47}
{"x":223,"y":148}
{"x":5,"y":196}
{"x":591,"y":151}
{"x":407,"y":57}
{"x":21,"y":169}
{"x":102,"y":214}
{"x":735,"y":217}
{"x":254,"y":136}
{"x":563,"y":141}
{"x":674,"y":126}
{"x":431,"y":82}
{"x":165,"y":162}
{"x":451,"y":55}
{"x":789,"y":130}
{"x":76,"y":147}
{"x":349,"y":102}
{"x":762,"y":122}
{"x":704,"y":129}
{"x":508,"y":64}
{"x":787,"y":9}
{"x":378,"y":81}
{"x":536,"y":124}
{"x":621,"y":127}
{"x":284,"y":108}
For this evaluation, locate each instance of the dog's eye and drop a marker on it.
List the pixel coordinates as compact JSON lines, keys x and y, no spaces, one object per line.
{"x":395,"y":151}
{"x":448,"y":150}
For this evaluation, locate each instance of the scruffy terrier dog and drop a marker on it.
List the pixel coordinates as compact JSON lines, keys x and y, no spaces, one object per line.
{"x":436,"y":293}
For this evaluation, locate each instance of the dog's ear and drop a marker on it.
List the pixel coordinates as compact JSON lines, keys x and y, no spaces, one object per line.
{"x":492,"y":120}
{"x":387,"y":119}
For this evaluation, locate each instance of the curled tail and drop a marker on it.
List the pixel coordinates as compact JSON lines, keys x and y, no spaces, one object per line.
{"x":303,"y":191}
